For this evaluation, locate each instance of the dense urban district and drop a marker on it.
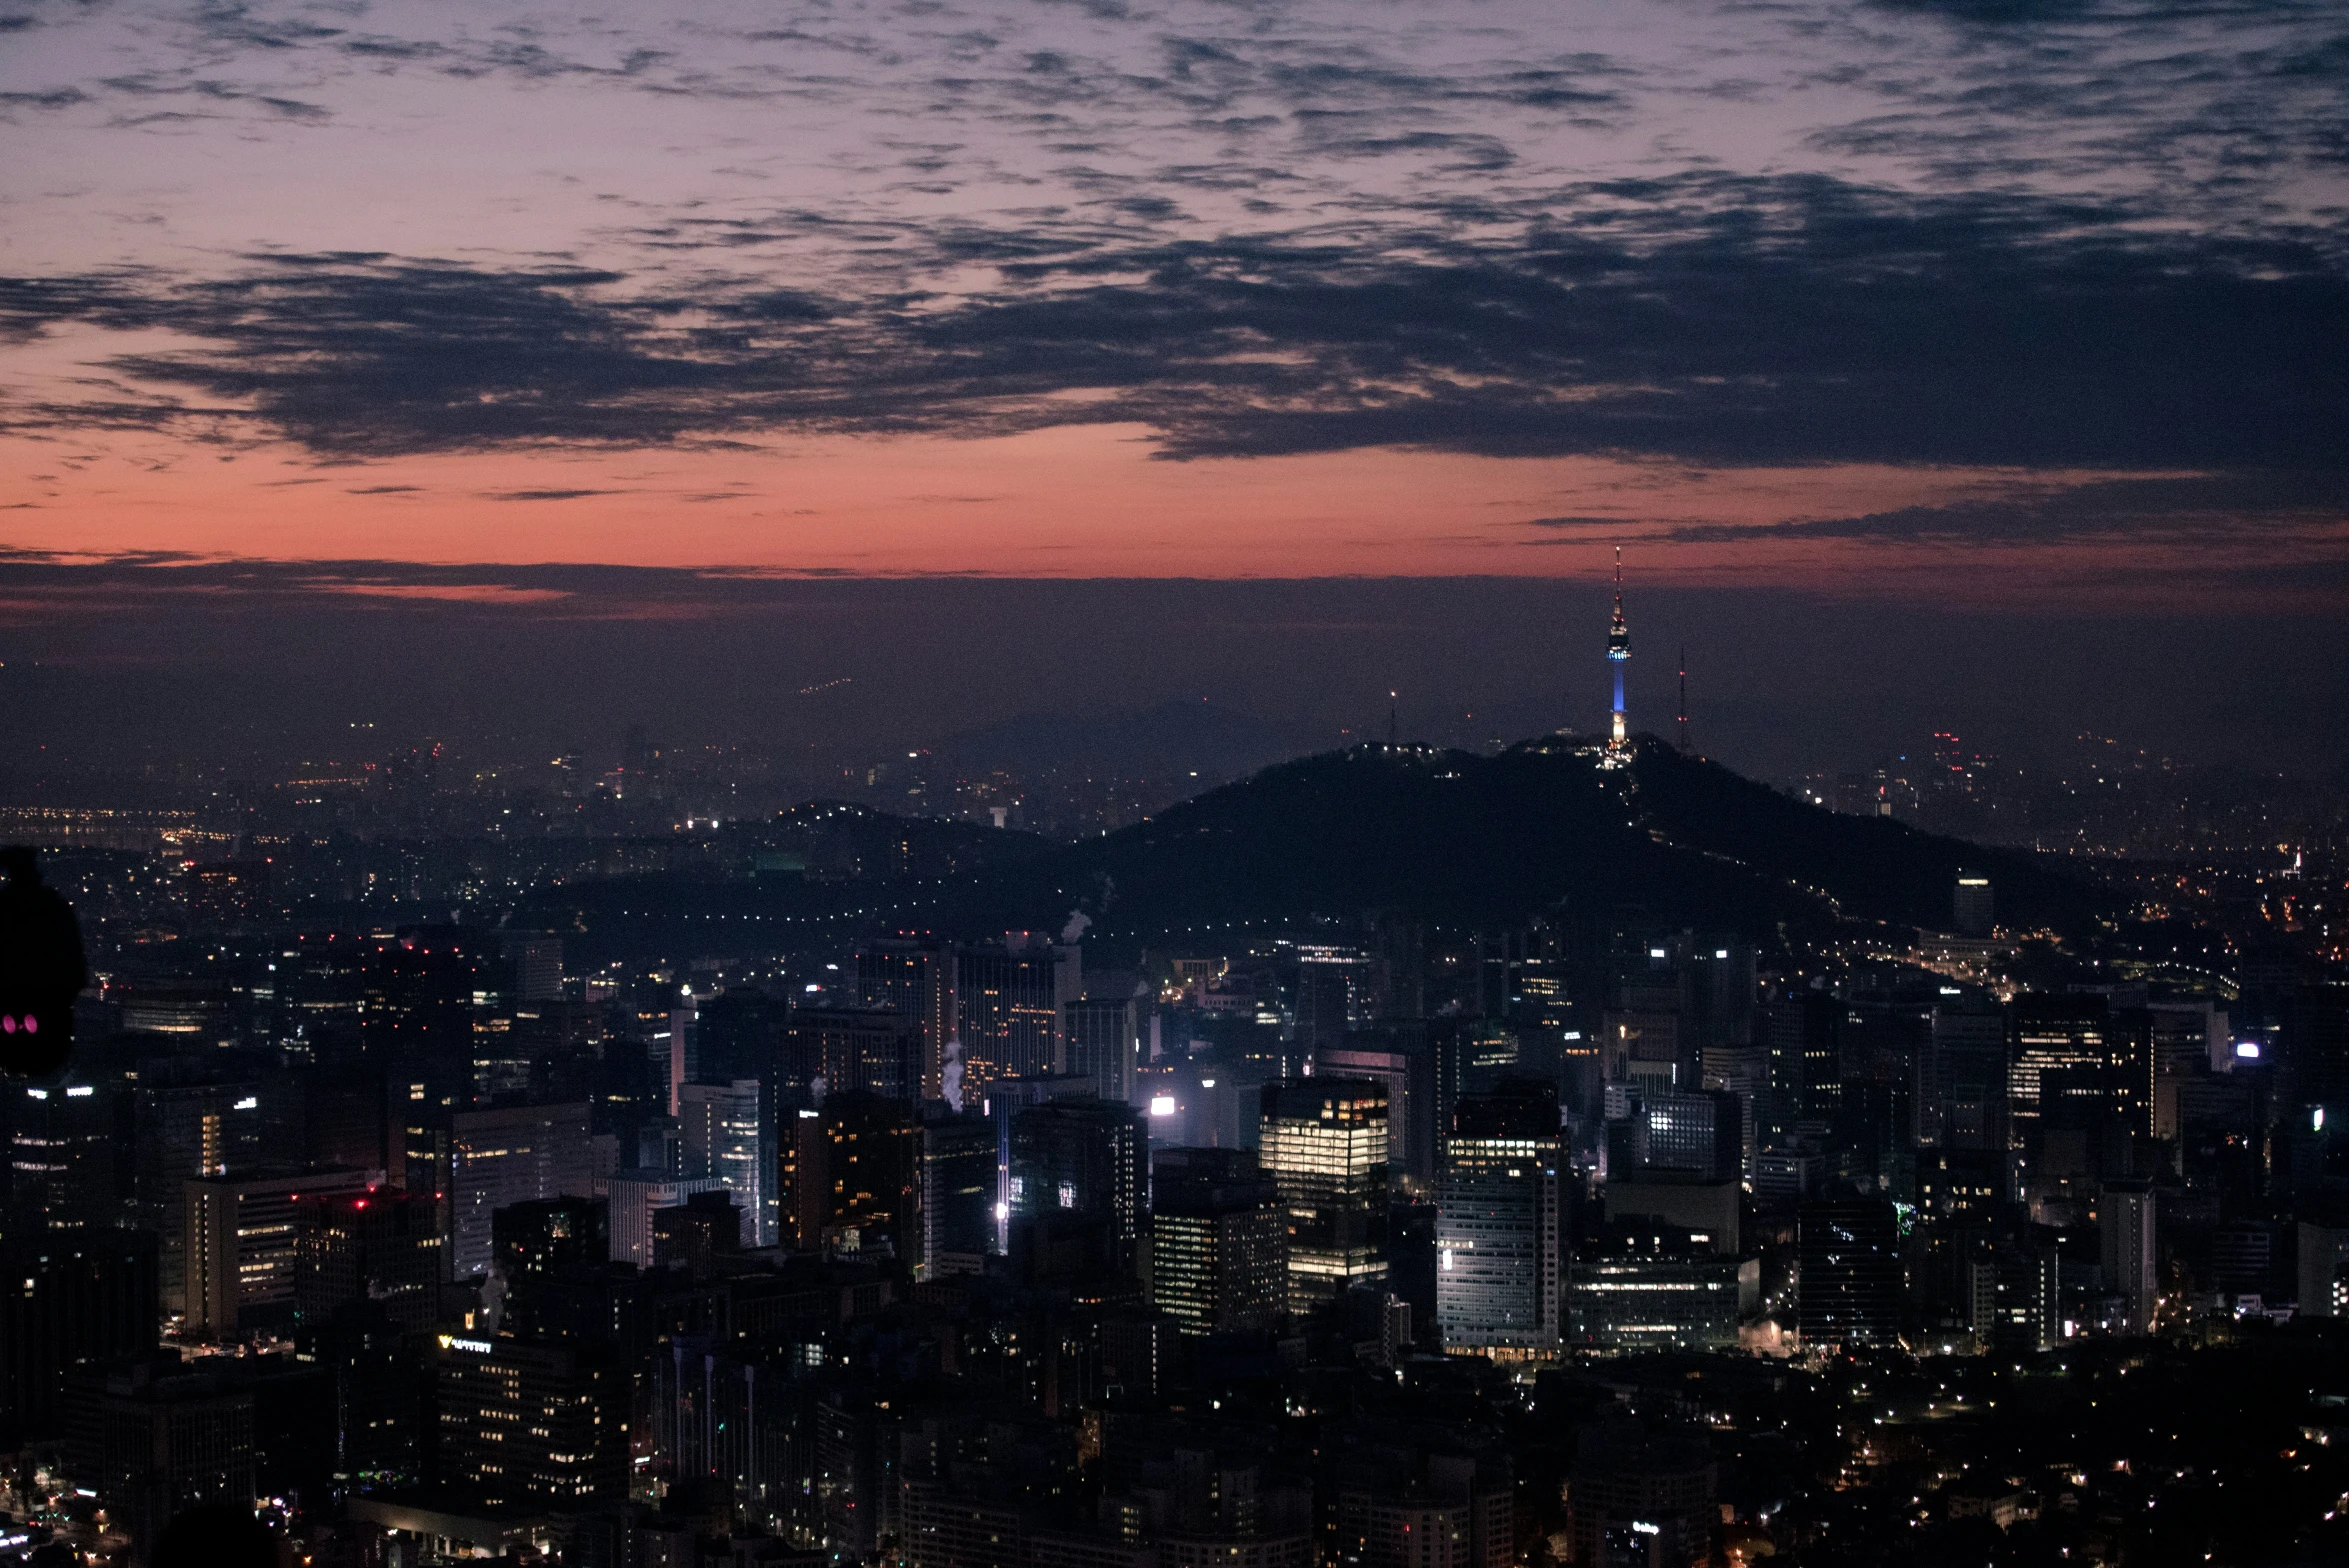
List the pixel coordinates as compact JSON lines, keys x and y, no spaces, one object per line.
{"x":1567,"y":1154}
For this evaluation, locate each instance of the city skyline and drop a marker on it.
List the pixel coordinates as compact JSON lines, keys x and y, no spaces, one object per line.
{"x":1174,"y":784}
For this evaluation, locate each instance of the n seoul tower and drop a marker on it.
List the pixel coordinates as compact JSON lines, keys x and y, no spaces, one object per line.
{"x":1618,"y":650}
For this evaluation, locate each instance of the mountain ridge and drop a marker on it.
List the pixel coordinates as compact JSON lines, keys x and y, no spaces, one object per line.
{"x":1465,"y":838}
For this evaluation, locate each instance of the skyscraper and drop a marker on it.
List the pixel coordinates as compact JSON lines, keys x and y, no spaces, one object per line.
{"x":1007,"y":998}
{"x":1218,"y":1241}
{"x":1087,"y":1161}
{"x":853,"y":1166}
{"x":2096,"y":1055}
{"x":2125,"y":1227}
{"x":531,"y":1421}
{"x":535,"y":1239}
{"x":185,"y":1130}
{"x":960,"y":1165}
{"x":71,"y":1300}
{"x":243,"y":1247}
{"x":1699,"y":1133}
{"x":1324,"y":1143}
{"x":512,"y":1154}
{"x":634,"y":1195}
{"x":379,"y":1247}
{"x":417,"y":1010}
{"x":1849,"y":1287}
{"x":1972,"y":906}
{"x":1102,"y":1041}
{"x":1499,"y":1261}
{"x":842,"y":1050}
{"x":1398,"y":1056}
{"x":728,"y":1133}
{"x":154,"y":1439}
{"x":62,"y":1156}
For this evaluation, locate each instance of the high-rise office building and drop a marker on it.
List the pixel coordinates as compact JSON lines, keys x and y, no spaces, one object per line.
{"x":1398,"y":1056}
{"x":243,"y":1238}
{"x":853,"y":1168}
{"x":1649,"y":1287}
{"x":1700,"y":1133}
{"x":2098,"y":1055}
{"x":694,"y":1234}
{"x":154,"y":1439}
{"x":1102,"y":1041}
{"x":684,"y":1045}
{"x":382,"y":1247}
{"x":960,"y":1172}
{"x":534,"y":966}
{"x":2322,"y":1255}
{"x":1329,"y":995}
{"x":1218,"y":1242}
{"x":1962,"y":1077}
{"x":1636,"y":1500}
{"x":914,"y":979}
{"x":2124,"y":1219}
{"x":72,"y":1300}
{"x":1849,"y":1285}
{"x":320,"y":988}
{"x":846,"y":1050}
{"x":1324,"y":1143}
{"x":1499,"y":1255}
{"x":1973,"y":909}
{"x":377,"y":1408}
{"x":1803,"y":1036}
{"x":1450,"y":1513}
{"x":634,"y":1195}
{"x":739,"y":1033}
{"x":417,"y":1001}
{"x":1084,"y":1161}
{"x":504,"y":1156}
{"x":1007,"y":1001}
{"x":532,"y":1240}
{"x":728,"y":1132}
{"x":64,"y":1156}
{"x":528,"y":1421}
{"x":183,"y":1130}
{"x":2013,"y":1295}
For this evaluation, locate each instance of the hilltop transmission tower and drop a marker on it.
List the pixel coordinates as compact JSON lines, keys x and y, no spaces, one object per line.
{"x":1618,"y":650}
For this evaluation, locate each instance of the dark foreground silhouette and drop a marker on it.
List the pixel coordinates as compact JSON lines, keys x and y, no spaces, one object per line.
{"x":215,"y":1536}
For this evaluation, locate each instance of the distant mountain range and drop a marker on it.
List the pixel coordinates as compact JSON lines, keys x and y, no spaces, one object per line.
{"x":1455,"y":838}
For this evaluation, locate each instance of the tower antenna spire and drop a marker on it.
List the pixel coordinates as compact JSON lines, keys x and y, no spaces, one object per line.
{"x":1685,"y":748}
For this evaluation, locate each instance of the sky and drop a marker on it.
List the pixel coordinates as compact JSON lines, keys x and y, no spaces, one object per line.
{"x":1901,"y":312}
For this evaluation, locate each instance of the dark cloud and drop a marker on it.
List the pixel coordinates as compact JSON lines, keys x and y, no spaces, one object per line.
{"x":2234,"y":512}
{"x":2206,"y":508}
{"x":54,"y":98}
{"x":1701,"y":317}
{"x":544,"y":495}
